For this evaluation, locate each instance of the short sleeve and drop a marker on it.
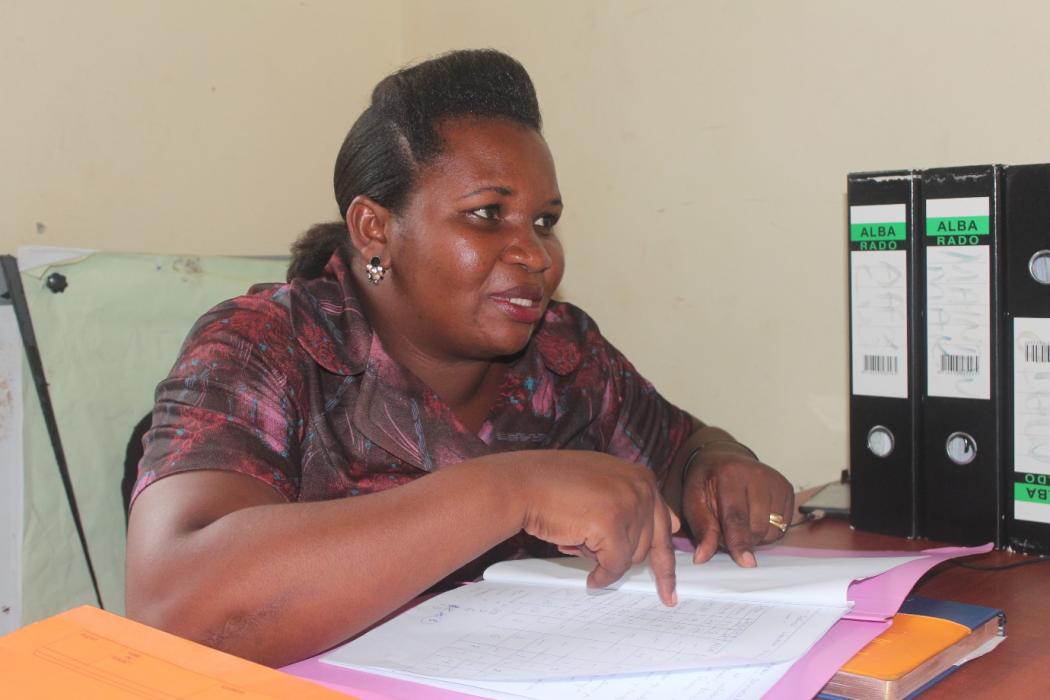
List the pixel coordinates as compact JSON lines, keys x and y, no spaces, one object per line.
{"x":620,"y":411}
{"x":641,"y":425}
{"x":231,"y":401}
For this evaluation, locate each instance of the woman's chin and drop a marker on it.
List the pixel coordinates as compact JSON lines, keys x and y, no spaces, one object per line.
{"x":509,"y":344}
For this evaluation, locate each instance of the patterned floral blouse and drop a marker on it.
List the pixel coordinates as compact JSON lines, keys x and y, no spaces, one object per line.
{"x":288,"y":384}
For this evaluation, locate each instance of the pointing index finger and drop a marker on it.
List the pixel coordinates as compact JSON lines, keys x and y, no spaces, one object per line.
{"x":661,"y":554}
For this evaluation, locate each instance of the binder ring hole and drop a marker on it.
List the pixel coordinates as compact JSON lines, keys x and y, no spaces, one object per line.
{"x":1039,"y":267}
{"x":880,"y":441}
{"x":961,"y":448}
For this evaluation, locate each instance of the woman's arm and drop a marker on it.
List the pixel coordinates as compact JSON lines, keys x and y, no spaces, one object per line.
{"x":220,"y":558}
{"x":727,"y":496}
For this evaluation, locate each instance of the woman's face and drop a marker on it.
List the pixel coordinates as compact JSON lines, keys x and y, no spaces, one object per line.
{"x":474,"y":255}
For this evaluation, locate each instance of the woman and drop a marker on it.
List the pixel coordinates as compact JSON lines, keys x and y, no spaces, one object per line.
{"x":281,"y":505}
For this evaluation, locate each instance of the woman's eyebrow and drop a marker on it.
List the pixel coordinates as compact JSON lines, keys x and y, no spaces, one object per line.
{"x":498,"y":189}
{"x":506,"y":192}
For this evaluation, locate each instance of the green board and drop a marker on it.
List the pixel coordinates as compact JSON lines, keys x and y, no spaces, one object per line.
{"x":105,"y":342}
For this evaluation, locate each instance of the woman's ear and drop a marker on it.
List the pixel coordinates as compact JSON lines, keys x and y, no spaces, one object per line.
{"x":368,"y":223}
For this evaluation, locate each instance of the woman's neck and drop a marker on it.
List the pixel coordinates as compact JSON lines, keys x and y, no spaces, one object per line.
{"x":468,"y":385}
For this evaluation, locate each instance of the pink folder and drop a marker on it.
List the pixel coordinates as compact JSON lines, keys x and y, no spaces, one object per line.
{"x":876,"y":600}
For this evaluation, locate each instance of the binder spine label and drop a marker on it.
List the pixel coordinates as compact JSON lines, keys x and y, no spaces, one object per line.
{"x":958,"y":303}
{"x":877,"y":227}
{"x":879,"y":300}
{"x":957,"y":221}
{"x":1031,"y":410}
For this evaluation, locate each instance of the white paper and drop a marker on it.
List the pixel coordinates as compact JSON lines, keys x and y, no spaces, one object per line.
{"x":780,"y":579}
{"x":981,"y":650}
{"x":958,"y":336}
{"x":731,"y":683}
{"x":514,"y":631}
{"x":1031,"y":383}
{"x":11,"y":471}
{"x":879,"y":322}
{"x":498,"y":631}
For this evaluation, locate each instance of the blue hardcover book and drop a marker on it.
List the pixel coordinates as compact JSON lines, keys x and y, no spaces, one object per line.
{"x":928,"y":640}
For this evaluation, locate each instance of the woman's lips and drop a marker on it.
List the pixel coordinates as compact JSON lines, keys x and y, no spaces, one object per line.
{"x":523,"y":304}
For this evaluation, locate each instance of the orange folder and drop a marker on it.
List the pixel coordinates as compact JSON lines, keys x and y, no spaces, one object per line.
{"x":87,"y":653}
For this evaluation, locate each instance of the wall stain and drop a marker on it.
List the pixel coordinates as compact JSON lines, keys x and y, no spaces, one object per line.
{"x":189,"y":266}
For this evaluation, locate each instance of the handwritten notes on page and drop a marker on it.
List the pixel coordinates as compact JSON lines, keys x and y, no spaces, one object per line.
{"x":500,"y":631}
{"x":537,"y":621}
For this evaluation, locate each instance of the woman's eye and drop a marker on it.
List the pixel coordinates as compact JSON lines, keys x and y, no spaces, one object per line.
{"x":489,"y":213}
{"x":546,"y":221}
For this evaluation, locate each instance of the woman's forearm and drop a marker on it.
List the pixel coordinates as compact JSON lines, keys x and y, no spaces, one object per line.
{"x":276,"y":582}
{"x":704,"y":437}
{"x":213,"y":556}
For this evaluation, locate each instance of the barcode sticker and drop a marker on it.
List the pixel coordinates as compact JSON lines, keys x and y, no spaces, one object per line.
{"x":880,"y":364}
{"x":961,"y":364}
{"x":1036,"y":352}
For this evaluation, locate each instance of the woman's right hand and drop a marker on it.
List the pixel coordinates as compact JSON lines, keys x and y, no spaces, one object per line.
{"x":594,"y":505}
{"x":220,"y":558}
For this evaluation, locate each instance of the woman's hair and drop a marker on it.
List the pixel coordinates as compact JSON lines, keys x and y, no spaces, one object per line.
{"x":398,"y":134}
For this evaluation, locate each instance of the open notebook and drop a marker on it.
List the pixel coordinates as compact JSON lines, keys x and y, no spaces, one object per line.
{"x":533,"y":629}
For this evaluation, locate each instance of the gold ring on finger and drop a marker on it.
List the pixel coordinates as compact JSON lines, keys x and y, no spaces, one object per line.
{"x":777,"y":521}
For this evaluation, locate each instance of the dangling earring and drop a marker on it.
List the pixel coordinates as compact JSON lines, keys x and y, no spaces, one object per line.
{"x":375,"y":270}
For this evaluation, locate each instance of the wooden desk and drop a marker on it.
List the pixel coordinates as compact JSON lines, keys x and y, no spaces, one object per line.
{"x":1020,"y":666}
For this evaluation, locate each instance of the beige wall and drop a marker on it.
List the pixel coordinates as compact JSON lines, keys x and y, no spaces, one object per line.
{"x":197,"y":126}
{"x":702,"y":150}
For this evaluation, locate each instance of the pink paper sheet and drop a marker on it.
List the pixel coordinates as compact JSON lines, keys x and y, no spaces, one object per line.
{"x":366,"y":685}
{"x":877,"y":599}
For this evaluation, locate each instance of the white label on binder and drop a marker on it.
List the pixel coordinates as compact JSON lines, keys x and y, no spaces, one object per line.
{"x":1031,"y":385}
{"x":956,"y":207}
{"x":877,"y":213}
{"x":958,"y":314}
{"x":1033,"y":512}
{"x":879,"y":322}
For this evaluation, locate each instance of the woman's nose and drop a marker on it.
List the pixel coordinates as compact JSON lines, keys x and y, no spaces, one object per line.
{"x":527,"y":248}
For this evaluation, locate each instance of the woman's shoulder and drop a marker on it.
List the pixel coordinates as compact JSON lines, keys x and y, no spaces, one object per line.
{"x":262,"y":311}
{"x":568,"y":335}
{"x":316,"y":320}
{"x":248,"y":331}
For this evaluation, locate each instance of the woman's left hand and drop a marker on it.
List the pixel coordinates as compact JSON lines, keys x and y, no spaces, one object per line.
{"x":732,"y":499}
